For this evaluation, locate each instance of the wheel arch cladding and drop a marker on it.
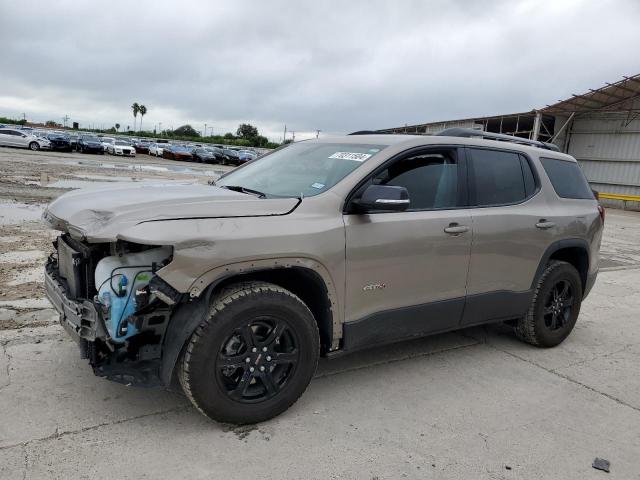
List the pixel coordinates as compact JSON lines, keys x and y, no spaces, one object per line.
{"x":573,"y":251}
{"x":302,"y":282}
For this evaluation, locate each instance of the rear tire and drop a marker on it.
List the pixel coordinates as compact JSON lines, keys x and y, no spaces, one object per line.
{"x":261,"y":322}
{"x":555,"y":306}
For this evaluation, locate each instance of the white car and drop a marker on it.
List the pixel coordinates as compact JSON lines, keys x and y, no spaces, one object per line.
{"x":10,"y":137}
{"x":106,"y":141}
{"x":157,"y":148}
{"x":120,"y":147}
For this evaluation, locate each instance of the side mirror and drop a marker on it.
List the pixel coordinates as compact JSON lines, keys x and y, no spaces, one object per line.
{"x":383,"y":198}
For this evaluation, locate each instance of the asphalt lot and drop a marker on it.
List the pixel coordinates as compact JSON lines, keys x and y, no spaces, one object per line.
{"x":474,"y":404}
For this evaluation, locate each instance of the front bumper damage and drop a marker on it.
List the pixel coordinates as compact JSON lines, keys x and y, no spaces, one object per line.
{"x":82,"y":320}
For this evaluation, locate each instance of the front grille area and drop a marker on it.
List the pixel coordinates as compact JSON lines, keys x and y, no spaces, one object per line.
{"x":76,"y":266}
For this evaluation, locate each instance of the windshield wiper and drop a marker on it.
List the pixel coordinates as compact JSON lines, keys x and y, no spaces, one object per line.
{"x":241,"y":189}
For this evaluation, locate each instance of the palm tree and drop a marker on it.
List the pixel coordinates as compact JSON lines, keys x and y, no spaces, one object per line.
{"x":117,"y":125}
{"x":136,"y":108}
{"x":143,"y":111}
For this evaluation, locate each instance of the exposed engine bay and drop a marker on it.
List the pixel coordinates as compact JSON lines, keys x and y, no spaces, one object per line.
{"x":121,"y":282}
{"x":108,"y":297}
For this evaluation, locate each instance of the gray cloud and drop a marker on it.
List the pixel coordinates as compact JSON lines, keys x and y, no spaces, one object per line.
{"x":336,"y":66}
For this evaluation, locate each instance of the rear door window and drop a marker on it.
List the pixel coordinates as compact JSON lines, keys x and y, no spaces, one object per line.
{"x":498,"y":178}
{"x":567,"y":179}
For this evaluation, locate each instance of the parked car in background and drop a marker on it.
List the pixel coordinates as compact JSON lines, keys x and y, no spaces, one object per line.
{"x":157,"y":149}
{"x":60,"y":141}
{"x":90,"y":144}
{"x":177,"y":152}
{"x":106,"y":141}
{"x":10,"y":137}
{"x":121,"y":147}
{"x":142,"y":146}
{"x":246,"y":156}
{"x":230,"y":157}
{"x":204,"y":155}
{"x":73,"y":139}
{"x":217,"y":152}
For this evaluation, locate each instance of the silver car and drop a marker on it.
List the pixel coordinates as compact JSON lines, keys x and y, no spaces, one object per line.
{"x":10,"y":137}
{"x":322,"y":247}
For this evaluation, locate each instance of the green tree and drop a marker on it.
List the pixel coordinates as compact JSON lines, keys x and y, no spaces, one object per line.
{"x":51,"y":123}
{"x":136,"y":108}
{"x":186,"y":131}
{"x":247,"y":131}
{"x":229,"y":136}
{"x":143,"y":111}
{"x":260,"y":141}
{"x":117,"y":125}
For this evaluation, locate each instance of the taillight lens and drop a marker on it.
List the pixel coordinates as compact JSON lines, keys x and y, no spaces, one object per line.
{"x":601,"y":212}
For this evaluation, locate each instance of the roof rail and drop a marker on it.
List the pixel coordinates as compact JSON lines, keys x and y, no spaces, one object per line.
{"x":501,"y":137}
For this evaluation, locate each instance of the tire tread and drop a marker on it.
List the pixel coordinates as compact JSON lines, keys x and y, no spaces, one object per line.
{"x":222,"y":300}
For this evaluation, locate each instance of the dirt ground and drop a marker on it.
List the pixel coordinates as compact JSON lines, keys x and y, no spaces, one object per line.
{"x":30,"y":180}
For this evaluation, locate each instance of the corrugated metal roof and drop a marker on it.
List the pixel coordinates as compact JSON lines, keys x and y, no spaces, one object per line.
{"x":612,"y":97}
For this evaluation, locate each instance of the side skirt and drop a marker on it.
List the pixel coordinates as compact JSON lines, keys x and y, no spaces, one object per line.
{"x":431,"y":318}
{"x":402,"y":324}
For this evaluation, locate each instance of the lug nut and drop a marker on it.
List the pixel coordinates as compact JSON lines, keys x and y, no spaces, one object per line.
{"x":247,"y":360}
{"x":268,"y":358}
{"x":251,"y":369}
{"x":254,"y":349}
{"x":262,"y":369}
{"x":264,"y":349}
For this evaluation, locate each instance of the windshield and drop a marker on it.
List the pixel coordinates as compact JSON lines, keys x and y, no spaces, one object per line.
{"x":120,"y":142}
{"x":301,"y":168}
{"x":91,"y":139}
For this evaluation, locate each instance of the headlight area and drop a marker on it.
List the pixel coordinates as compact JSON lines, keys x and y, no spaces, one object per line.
{"x":122,"y":284}
{"x":105,"y":296}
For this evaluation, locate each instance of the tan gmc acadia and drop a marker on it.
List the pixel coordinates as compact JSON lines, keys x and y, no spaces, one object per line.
{"x":322,"y":247}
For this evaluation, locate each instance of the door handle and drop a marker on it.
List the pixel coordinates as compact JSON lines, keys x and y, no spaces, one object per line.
{"x":455,"y":229}
{"x":544,"y":225}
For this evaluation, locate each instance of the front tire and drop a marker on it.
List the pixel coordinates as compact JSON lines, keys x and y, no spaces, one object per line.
{"x":35,"y":146}
{"x":253,"y":356}
{"x":555,"y":307}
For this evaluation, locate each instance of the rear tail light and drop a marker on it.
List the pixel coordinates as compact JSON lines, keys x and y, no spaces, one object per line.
{"x":601,"y":212}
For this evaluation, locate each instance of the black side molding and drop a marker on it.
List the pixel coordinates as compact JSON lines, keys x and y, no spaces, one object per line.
{"x":402,"y":324}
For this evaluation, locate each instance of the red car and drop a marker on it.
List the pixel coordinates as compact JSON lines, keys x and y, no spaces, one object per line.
{"x":178,"y":152}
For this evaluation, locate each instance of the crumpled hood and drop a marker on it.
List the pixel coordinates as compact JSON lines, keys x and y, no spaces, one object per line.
{"x":100,"y":214}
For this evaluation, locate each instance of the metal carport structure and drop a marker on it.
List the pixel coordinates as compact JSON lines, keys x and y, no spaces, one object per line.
{"x":600,"y":128}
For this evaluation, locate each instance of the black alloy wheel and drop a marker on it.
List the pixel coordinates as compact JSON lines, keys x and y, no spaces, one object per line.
{"x":554,"y":308}
{"x":257,"y":360}
{"x":253,"y":356}
{"x":558,"y":305}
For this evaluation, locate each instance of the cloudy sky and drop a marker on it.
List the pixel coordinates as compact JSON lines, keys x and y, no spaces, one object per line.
{"x":336,"y":66}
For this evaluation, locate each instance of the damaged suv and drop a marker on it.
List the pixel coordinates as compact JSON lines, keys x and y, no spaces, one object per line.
{"x":323,"y":247}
